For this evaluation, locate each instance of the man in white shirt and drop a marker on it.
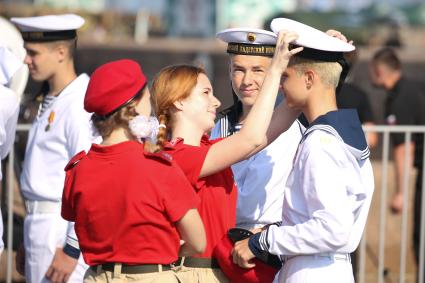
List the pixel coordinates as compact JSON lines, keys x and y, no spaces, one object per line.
{"x":9,"y":110}
{"x":61,"y":129}
{"x":260,"y":178}
{"x":329,"y":190}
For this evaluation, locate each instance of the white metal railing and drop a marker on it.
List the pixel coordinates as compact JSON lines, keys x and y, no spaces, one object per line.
{"x":385,"y":130}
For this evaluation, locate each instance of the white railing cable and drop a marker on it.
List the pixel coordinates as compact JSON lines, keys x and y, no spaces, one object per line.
{"x":383,"y":207}
{"x":421,"y":263}
{"x":394,"y":129}
{"x":404,"y":215}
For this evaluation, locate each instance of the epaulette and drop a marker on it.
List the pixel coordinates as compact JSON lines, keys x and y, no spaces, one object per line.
{"x":77,"y":158}
{"x":162,"y":156}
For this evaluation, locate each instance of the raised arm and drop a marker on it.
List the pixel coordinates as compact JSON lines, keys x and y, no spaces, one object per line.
{"x":252,"y":137}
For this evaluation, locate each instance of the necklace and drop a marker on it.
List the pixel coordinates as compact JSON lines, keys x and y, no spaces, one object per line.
{"x":48,"y":102}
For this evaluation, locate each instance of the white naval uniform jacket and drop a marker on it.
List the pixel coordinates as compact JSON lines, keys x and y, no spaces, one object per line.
{"x":329,"y":191}
{"x":48,"y":151}
{"x":261,"y":178}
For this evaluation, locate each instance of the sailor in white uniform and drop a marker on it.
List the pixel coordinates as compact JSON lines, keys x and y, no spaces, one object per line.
{"x":9,"y":110}
{"x":260,"y":179}
{"x":61,"y":129}
{"x":329,"y":190}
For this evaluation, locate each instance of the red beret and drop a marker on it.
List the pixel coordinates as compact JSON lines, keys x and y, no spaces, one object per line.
{"x":112,"y":85}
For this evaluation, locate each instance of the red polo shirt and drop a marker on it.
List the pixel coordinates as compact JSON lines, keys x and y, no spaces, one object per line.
{"x":217,"y":192}
{"x":125,"y":203}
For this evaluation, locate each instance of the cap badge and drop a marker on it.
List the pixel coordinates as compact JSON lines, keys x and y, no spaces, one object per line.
{"x":251,"y":37}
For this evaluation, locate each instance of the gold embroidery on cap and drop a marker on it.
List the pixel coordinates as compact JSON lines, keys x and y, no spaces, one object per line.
{"x":251,"y":37}
{"x":270,"y":50}
{"x":36,"y":35}
{"x":250,"y":49}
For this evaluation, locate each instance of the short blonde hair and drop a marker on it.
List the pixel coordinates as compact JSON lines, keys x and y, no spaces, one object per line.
{"x":69,"y":44}
{"x":329,"y":72}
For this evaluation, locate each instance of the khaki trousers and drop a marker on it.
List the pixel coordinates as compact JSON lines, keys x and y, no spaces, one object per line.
{"x":102,"y":276}
{"x":201,"y":275}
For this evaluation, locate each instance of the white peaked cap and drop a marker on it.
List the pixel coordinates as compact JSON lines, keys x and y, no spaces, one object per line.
{"x":247,"y":35}
{"x":248,"y":41}
{"x":310,"y":37}
{"x":49,"y":23}
{"x":49,"y":28}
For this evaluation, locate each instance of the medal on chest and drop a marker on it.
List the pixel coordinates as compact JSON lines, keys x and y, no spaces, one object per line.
{"x":50,"y":120}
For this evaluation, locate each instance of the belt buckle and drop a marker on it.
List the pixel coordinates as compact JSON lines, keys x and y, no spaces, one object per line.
{"x":345,"y":257}
{"x":29,"y":206}
{"x":179,"y":262}
{"x":176,"y":266}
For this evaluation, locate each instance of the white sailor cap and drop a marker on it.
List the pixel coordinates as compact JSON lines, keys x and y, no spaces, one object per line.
{"x":248,"y":41}
{"x":317,"y":44}
{"x":49,"y":28}
{"x":9,"y":64}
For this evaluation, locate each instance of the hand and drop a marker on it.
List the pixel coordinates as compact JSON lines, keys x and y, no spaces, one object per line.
{"x":260,"y":229}
{"x":242,"y":254}
{"x":256,"y":230}
{"x":61,"y":267}
{"x":20,"y":260}
{"x":397,"y":203}
{"x":339,"y":35}
{"x":282,"y":53}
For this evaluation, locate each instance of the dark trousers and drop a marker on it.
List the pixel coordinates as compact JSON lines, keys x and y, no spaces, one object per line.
{"x":417,"y":217}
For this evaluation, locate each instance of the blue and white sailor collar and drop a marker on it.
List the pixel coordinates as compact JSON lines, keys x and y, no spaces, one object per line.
{"x":345,"y":125}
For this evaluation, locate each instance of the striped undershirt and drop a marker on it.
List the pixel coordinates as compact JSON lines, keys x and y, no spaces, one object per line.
{"x":47,"y":101}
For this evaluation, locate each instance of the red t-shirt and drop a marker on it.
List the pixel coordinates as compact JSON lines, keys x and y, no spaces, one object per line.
{"x":217,"y":192}
{"x":125,"y":203}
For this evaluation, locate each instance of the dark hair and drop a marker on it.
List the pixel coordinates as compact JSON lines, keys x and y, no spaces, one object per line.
{"x":388,"y":57}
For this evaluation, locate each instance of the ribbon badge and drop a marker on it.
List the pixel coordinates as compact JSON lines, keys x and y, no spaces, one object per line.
{"x":50,"y":120}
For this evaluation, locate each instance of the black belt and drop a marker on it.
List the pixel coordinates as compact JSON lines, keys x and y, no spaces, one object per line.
{"x":198,"y":262}
{"x":132,"y":269}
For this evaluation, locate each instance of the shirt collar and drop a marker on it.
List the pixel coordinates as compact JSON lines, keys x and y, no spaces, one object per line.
{"x":205,"y":140}
{"x":345,"y":125}
{"x":75,"y":85}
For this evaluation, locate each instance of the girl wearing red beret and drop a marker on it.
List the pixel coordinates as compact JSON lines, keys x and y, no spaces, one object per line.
{"x":187,"y":107}
{"x":130,"y":207}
